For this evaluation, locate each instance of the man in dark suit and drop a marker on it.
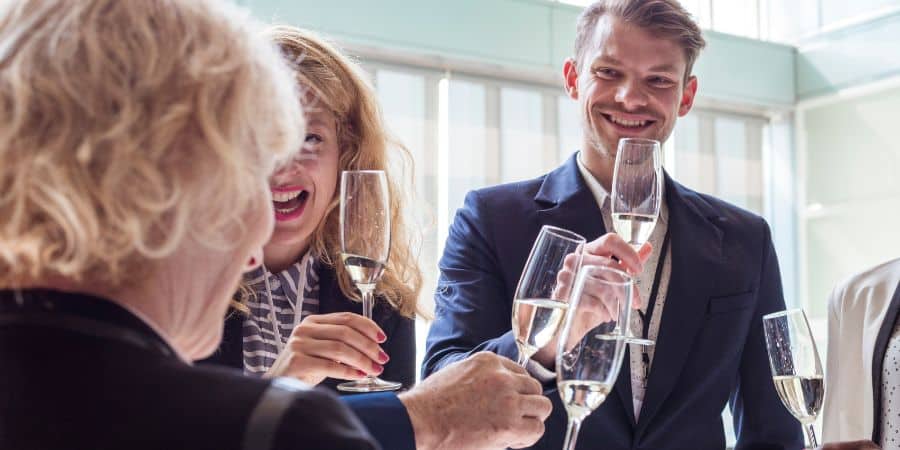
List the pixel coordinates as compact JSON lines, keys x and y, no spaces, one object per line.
{"x":713,"y":265}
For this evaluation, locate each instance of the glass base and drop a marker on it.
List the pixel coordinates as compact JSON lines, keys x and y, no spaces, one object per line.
{"x":370,"y":384}
{"x":628,"y":339}
{"x":639,"y":341}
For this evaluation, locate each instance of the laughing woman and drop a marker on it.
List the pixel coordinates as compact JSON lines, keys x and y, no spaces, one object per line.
{"x":302,"y":289}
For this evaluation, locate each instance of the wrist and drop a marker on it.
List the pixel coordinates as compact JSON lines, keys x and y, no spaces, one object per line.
{"x":423,"y":430}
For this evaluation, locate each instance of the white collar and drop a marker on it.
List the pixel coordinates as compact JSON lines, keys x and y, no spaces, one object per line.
{"x":600,"y":193}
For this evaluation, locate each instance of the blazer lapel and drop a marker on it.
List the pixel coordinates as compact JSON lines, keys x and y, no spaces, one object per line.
{"x":881,"y":342}
{"x":696,"y":249}
{"x":564,"y":200}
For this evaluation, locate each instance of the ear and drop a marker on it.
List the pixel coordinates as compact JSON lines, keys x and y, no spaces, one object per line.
{"x":687,"y":96}
{"x":570,"y":76}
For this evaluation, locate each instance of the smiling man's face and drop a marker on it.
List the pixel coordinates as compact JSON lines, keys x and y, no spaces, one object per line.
{"x":629,"y":84}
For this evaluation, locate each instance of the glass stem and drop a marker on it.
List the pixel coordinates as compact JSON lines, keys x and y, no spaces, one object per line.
{"x":368,"y":299}
{"x":811,"y":434}
{"x":368,"y":302}
{"x":572,"y":434}
{"x":523,"y":357}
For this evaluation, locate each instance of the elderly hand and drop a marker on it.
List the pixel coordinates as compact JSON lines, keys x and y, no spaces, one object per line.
{"x":855,"y":445}
{"x":483,"y":402}
{"x":609,"y":250}
{"x":338,"y":345}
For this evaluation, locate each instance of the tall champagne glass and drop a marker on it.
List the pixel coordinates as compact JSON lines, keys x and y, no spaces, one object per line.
{"x":590,"y":350}
{"x":365,"y":216}
{"x":796,"y":369}
{"x":541,"y":300}
{"x":637,"y":194}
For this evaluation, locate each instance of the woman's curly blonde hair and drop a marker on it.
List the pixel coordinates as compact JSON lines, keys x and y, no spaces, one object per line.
{"x":331,"y":81}
{"x":115,"y":117}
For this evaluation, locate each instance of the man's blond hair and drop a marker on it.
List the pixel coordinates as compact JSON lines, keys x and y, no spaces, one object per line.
{"x":127,"y":127}
{"x":666,"y":19}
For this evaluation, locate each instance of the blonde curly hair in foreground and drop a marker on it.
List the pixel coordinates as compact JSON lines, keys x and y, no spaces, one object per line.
{"x":115,"y":118}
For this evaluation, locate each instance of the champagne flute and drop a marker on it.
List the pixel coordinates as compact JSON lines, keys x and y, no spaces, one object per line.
{"x":365,"y":244}
{"x":637,"y":190}
{"x":796,"y":369}
{"x":590,"y":351}
{"x":637,"y":197}
{"x":540,"y":301}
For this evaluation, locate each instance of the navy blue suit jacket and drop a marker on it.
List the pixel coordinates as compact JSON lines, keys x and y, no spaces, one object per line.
{"x":400,"y":344}
{"x":710,"y":349}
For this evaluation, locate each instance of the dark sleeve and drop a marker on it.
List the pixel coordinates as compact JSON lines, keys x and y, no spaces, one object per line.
{"x":472,"y":312}
{"x":760,"y":419}
{"x":401,"y":348}
{"x":318,"y":420}
{"x":385,"y":417}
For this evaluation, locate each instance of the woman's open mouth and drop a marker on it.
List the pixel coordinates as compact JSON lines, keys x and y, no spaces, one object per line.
{"x":289,"y":204}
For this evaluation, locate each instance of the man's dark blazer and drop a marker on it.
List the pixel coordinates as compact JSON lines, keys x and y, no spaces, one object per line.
{"x":80,"y":372}
{"x":710,"y":349}
{"x":400,"y":344}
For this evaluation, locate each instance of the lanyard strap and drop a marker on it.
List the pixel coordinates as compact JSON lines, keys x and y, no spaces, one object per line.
{"x":651,"y":305}
{"x":297,"y":305}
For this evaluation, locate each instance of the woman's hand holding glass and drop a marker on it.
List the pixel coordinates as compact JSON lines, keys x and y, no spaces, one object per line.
{"x":343,"y":346}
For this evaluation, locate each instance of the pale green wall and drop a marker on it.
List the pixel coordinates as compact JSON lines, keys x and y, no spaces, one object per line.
{"x":538,"y":35}
{"x":532,"y":34}
{"x":849,"y":149}
{"x":860,"y":54}
{"x":852,"y":164}
{"x":512,"y":32}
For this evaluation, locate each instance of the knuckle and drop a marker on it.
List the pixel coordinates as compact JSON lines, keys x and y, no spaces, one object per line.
{"x":344,"y":370}
{"x":295,"y":344}
{"x":303,"y":328}
{"x":546,"y":407}
{"x":510,"y":402}
{"x":335,"y":348}
{"x":532,"y":385}
{"x":481,"y":357}
{"x":342,"y":317}
{"x":345,"y":334}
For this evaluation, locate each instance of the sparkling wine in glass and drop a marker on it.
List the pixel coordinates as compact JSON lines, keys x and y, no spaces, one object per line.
{"x":541,"y":297}
{"x":637,"y":190}
{"x":796,"y":368}
{"x":365,"y":244}
{"x":590,"y":350}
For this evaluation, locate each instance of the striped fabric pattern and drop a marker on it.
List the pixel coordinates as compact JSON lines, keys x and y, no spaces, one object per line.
{"x":259,"y":341}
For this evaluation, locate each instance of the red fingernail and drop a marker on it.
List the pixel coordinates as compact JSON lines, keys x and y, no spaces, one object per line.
{"x":376,"y":369}
{"x":381,"y":337}
{"x":361,"y":373}
{"x":383,"y":357}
